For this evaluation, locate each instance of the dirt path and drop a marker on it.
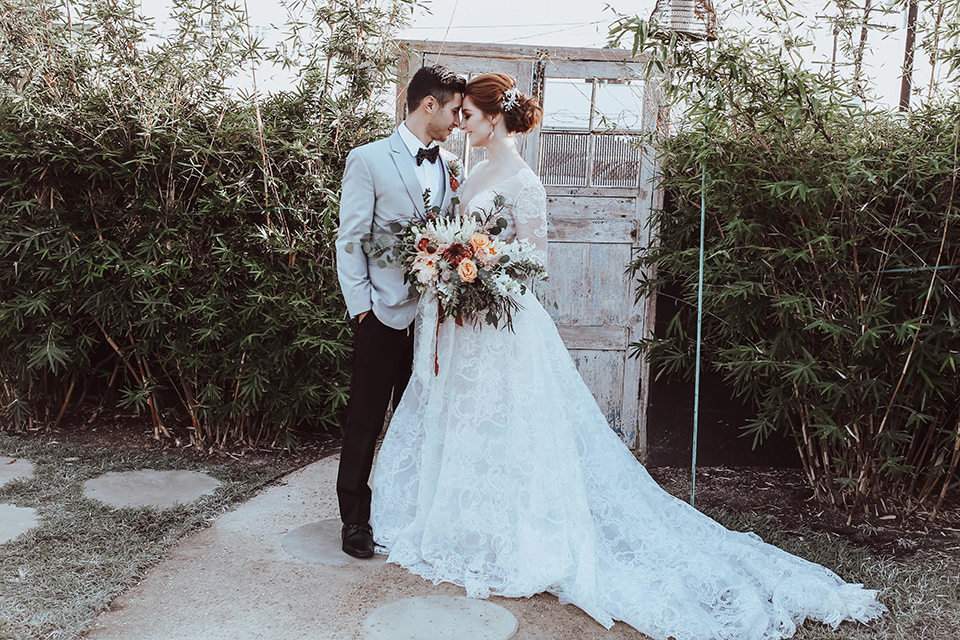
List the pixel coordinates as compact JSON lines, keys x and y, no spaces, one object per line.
{"x":234,"y":581}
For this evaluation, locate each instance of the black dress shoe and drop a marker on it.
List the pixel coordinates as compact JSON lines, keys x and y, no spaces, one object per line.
{"x":357,"y":540}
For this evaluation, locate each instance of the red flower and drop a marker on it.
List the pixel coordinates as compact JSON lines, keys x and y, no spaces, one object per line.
{"x":456,"y":252}
{"x":425,"y":246}
{"x":454,"y":183}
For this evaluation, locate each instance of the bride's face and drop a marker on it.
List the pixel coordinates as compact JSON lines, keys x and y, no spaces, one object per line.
{"x":475,"y":123}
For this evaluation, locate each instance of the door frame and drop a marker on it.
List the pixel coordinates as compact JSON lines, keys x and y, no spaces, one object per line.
{"x":531,"y":66}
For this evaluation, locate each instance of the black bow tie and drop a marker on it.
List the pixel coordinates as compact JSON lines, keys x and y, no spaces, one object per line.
{"x":430,"y":155}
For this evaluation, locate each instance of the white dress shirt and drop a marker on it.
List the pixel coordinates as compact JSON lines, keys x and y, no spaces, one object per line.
{"x":429,"y":175}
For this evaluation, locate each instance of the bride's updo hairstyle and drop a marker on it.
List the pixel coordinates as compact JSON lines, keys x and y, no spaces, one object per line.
{"x":495,"y":93}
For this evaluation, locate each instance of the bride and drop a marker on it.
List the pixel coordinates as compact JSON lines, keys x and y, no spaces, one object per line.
{"x":499,"y":472}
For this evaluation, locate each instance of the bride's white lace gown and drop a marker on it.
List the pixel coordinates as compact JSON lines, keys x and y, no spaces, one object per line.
{"x":500,"y":474}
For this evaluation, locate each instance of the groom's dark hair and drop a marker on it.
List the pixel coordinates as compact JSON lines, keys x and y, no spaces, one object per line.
{"x":436,"y":81}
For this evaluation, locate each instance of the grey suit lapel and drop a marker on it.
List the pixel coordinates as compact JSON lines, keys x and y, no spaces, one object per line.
{"x":444,"y":183}
{"x":401,"y":158}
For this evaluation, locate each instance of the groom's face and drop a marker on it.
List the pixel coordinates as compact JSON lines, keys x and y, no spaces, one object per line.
{"x":444,"y":118}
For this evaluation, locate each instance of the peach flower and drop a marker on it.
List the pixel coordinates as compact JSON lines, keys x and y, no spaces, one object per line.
{"x":467,"y":270}
{"x":479,"y":241}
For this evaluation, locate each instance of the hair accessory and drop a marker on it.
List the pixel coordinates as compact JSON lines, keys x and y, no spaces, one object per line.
{"x":511,"y":97}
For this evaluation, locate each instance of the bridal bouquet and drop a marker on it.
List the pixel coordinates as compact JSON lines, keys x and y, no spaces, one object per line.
{"x":459,"y":257}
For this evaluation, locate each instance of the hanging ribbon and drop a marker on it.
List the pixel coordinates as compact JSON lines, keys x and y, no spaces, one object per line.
{"x":436,"y":344}
{"x":436,"y":341}
{"x":428,"y":335}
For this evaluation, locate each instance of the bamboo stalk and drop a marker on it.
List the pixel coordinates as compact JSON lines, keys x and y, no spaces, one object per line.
{"x":931,"y":477}
{"x":921,"y":455}
{"x":949,"y":476}
{"x":119,"y":352}
{"x":113,"y":377}
{"x":935,"y":48}
{"x":153,"y":403}
{"x":86,"y":388}
{"x":143,"y":381}
{"x":190,"y":402}
{"x":157,"y":422}
{"x":223,"y":111}
{"x":256,"y":108}
{"x":933,"y":279}
{"x":66,"y":401}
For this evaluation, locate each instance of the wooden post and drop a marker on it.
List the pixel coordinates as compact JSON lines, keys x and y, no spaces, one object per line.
{"x":907,"y":79}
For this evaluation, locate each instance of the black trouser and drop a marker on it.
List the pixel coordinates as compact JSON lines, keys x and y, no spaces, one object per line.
{"x":382,"y":362}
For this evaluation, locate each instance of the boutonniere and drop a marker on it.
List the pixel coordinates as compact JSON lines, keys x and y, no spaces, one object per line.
{"x":454,"y":170}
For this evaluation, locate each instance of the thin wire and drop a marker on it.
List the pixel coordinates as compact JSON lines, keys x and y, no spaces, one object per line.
{"x":499,"y":26}
{"x":547,"y":33}
{"x":914,"y":269}
{"x":447,"y":32}
{"x":696,"y":383}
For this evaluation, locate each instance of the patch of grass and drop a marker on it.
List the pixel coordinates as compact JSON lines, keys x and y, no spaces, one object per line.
{"x":56,"y":577}
{"x":921,"y":591}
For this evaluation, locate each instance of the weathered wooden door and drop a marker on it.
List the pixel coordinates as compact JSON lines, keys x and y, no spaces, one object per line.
{"x":591,"y":158}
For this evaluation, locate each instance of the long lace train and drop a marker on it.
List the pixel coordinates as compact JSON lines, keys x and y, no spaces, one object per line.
{"x":499,"y":473}
{"x":505,"y":479}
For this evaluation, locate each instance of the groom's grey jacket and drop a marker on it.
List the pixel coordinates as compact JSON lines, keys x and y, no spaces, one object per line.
{"x":380,"y":186}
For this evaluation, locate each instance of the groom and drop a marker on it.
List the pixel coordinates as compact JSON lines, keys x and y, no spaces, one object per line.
{"x":384,"y":181}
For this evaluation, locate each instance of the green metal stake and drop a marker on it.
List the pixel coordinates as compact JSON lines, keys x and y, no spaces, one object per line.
{"x":696,"y":383}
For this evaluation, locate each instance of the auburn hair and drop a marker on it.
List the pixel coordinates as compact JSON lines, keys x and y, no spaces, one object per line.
{"x":487,"y":92}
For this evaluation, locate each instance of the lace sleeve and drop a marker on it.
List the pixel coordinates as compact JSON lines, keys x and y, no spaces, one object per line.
{"x":530,"y":214}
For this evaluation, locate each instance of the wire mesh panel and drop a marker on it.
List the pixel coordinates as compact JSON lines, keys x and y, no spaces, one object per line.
{"x":616,"y":161}
{"x":456,"y":143}
{"x":477,"y":155}
{"x":564,"y":158}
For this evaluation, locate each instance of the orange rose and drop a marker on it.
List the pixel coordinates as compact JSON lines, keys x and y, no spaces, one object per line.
{"x":479,"y":241}
{"x":467,"y":270}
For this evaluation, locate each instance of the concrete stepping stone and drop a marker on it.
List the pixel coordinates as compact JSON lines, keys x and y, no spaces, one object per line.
{"x":14,"y":468}
{"x":440,"y":618}
{"x":149,"y":488}
{"x":15,"y":520}
{"x":320,"y":542}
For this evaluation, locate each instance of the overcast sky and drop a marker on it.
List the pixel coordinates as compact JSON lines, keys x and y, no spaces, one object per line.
{"x":583,"y":23}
